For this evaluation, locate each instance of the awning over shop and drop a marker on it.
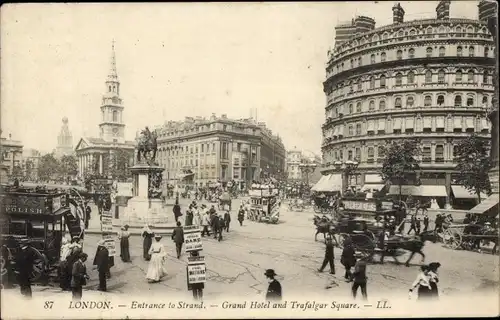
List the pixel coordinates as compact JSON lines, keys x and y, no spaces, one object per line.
{"x":372,"y":187}
{"x":489,"y":206}
{"x":373,"y":178}
{"x":461,"y":193}
{"x":318,"y":184}
{"x":331,"y":183}
{"x":432,"y":191}
{"x":405,"y":190}
{"x":184,"y":175}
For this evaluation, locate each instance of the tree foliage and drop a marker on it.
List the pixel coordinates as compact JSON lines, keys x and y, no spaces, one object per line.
{"x":68,"y":167}
{"x":119,"y":164}
{"x":473,"y":165}
{"x":48,"y":167}
{"x":401,"y":161}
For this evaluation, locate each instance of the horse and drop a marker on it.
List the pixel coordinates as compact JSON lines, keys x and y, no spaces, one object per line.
{"x":146,"y":145}
{"x":413,"y":245}
{"x":322,"y":227}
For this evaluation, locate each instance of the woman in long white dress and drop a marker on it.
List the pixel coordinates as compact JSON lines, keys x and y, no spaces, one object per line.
{"x":157,"y":265}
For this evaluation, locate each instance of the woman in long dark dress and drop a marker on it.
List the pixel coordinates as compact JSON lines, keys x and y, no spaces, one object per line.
{"x":124,"y":244}
{"x":423,"y":284}
{"x":147,"y":236}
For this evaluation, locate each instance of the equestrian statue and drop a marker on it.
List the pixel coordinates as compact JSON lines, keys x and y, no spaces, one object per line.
{"x":147,"y":144}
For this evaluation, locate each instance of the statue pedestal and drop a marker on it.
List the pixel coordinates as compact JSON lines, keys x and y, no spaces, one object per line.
{"x":145,"y":208}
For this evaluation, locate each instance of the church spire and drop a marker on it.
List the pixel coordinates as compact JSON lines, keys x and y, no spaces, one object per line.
{"x":113,"y":75}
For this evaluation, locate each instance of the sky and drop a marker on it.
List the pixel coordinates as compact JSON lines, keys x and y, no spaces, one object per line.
{"x":176,"y":60}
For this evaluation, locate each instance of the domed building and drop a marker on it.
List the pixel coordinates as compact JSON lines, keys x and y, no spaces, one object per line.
{"x":429,"y":79}
{"x":64,"y":140}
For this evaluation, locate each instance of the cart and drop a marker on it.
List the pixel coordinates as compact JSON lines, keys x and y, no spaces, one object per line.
{"x":264,"y":205}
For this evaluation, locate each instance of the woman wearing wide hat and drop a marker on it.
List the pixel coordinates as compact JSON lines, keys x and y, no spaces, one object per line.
{"x":157,"y":265}
{"x":434,"y":278}
{"x":274,"y":289}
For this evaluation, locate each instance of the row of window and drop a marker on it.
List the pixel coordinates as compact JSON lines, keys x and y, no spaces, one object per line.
{"x":378,"y":153}
{"x":442,"y":32}
{"x":204,"y":128}
{"x":429,"y":53}
{"x":381,"y":80}
{"x":398,"y":104}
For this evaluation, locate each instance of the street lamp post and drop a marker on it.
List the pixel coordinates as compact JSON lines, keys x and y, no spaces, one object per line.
{"x":348,"y":169}
{"x":307,"y":168}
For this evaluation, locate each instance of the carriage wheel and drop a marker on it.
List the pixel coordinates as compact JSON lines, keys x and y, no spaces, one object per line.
{"x":341,"y":240}
{"x":455,"y":241}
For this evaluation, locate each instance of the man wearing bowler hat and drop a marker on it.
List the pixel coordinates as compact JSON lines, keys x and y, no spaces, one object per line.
{"x":274,"y":289}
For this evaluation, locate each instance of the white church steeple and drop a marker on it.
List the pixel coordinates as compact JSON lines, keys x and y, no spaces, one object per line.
{"x":112,"y":128}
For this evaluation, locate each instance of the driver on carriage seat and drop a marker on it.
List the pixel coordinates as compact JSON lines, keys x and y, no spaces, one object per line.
{"x":324,"y":218}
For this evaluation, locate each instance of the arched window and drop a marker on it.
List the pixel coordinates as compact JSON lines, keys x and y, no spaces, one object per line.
{"x":427,"y":101}
{"x":486,"y":51}
{"x":358,"y":107}
{"x":411,"y":77}
{"x":413,"y":34}
{"x":375,"y":37}
{"x":409,"y":102}
{"x":441,"y":30}
{"x":372,"y":82}
{"x":351,"y":109}
{"x":381,"y":105}
{"x":458,"y":101}
{"x":429,"y":32}
{"x":411,"y":53}
{"x":441,"y":76}
{"x":458,"y":76}
{"x":470,"y":31}
{"x":360,"y":62}
{"x":109,"y":88}
{"x":115,"y":116}
{"x":397,"y":103}
{"x":458,"y":31}
{"x":401,"y":34}
{"x":382,"y":81}
{"x":470,"y":101}
{"x":470,"y":76}
{"x":428,"y":52}
{"x":359,"y":84}
{"x":485,"y":101}
{"x":485,"y":77}
{"x":114,"y":88}
{"x":371,"y":106}
{"x":372,"y":58}
{"x":350,"y":132}
{"x":459,"y":51}
{"x":471,"y":51}
{"x":399,"y":79}
{"x":399,"y":54}
{"x":428,"y":76}
{"x":442,"y":51}
{"x":385,"y":36}
{"x":383,"y":56}
{"x":440,"y":100}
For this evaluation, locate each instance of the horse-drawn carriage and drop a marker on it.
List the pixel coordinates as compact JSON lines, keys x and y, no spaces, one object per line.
{"x":264,"y":204}
{"x":468,"y":236}
{"x":42,"y":216}
{"x":225,"y":201}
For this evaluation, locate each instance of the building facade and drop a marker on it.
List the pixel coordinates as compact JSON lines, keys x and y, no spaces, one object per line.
{"x":428,"y":79}
{"x":30,"y":164}
{"x":98,"y":155}
{"x":293,"y":161}
{"x":296,"y":159}
{"x":64,"y":141}
{"x":12,"y":158}
{"x":200,"y":151}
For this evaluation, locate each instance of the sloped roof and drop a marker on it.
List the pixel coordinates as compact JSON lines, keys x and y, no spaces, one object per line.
{"x":88,"y":142}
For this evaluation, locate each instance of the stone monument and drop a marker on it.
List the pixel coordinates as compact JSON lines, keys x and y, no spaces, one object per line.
{"x":146,"y":205}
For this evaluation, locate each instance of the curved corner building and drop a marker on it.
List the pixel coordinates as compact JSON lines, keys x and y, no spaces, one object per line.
{"x":427,"y":79}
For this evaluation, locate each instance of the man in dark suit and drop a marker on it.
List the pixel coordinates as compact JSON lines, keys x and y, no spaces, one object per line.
{"x":274,"y":289}
{"x":25,"y":258}
{"x":178,"y":237}
{"x":215,"y":225}
{"x":79,"y":276}
{"x":329,"y":256}
{"x":177,"y":210}
{"x":227,"y":220}
{"x":101,"y":261}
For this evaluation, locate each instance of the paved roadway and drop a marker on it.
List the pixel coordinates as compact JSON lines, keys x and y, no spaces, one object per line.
{"x":236,"y":265}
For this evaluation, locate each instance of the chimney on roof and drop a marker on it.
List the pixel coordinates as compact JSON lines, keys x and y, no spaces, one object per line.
{"x":398,"y":13}
{"x":443,"y":10}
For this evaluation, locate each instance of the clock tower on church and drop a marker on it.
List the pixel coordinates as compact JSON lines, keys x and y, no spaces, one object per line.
{"x":112,"y":128}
